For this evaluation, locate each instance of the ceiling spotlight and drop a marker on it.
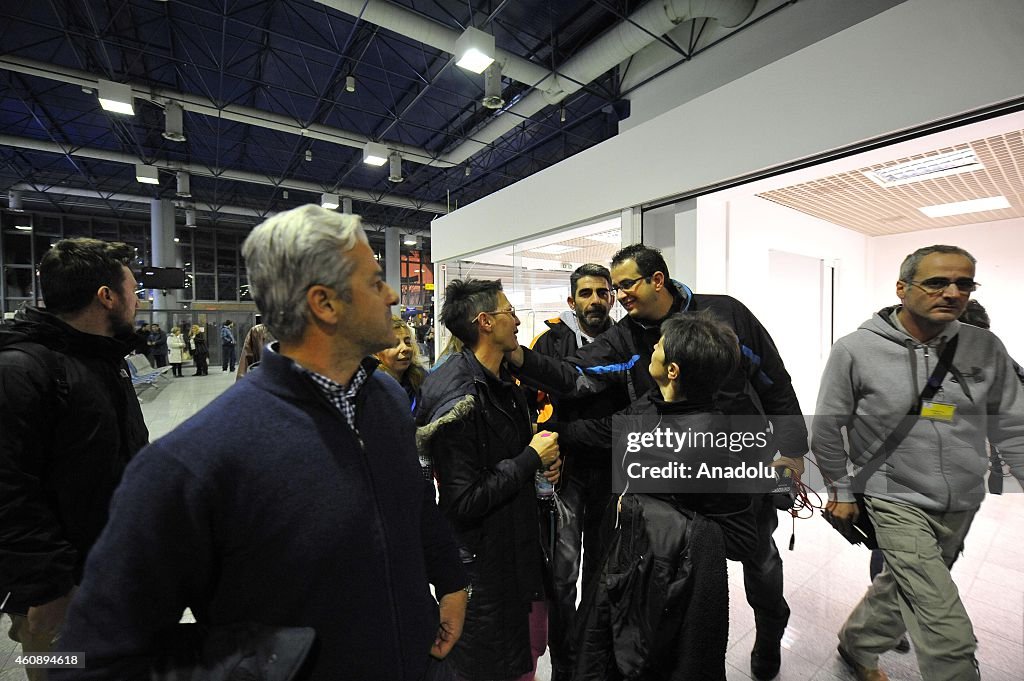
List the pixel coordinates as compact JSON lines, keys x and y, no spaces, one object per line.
{"x":173,"y":126}
{"x":474,"y":50}
{"x":116,"y":97}
{"x":190,"y":217}
{"x":184,"y":185}
{"x":375,"y":154}
{"x":409,"y":240}
{"x":329,"y":201}
{"x":346,"y":205}
{"x":561,"y":114}
{"x":284,"y":194}
{"x":396,"y":168}
{"x":350,"y":83}
{"x":177,"y":240}
{"x":468,"y":171}
{"x":14,"y":201}
{"x":309,"y":154}
{"x":147,"y":174}
{"x":492,"y":88}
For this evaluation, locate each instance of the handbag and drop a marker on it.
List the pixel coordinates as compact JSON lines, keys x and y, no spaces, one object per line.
{"x":861,"y":531}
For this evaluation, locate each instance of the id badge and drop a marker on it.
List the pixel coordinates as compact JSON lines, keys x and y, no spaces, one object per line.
{"x":938,"y":411}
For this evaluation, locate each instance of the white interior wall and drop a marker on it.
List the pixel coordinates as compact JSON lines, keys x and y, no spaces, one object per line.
{"x":999,"y":248}
{"x":754,"y":228}
{"x":920,"y":61}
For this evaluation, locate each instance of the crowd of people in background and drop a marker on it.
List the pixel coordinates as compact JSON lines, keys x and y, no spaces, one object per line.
{"x":355,"y":515}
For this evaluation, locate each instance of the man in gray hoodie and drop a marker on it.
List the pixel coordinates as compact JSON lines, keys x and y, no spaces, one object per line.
{"x":923,"y":487}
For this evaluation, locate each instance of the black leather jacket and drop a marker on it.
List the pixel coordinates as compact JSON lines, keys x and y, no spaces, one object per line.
{"x":485,"y":471}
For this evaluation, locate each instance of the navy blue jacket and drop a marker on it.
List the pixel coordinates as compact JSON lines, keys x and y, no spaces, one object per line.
{"x":267,"y":507}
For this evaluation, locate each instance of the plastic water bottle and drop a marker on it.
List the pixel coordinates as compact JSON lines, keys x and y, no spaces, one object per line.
{"x":545,"y":490}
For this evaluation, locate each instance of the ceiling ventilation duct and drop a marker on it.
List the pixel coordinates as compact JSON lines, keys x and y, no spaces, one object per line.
{"x":492,"y":88}
{"x":173,"y":125}
{"x":396,"y":168}
{"x":184,"y":185}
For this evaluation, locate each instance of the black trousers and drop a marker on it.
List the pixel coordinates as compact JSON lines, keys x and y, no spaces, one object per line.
{"x":227,"y":356}
{"x":762,"y":574}
{"x":586,"y":494}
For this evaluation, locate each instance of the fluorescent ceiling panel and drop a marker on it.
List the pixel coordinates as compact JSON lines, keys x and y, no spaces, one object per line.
{"x":329,"y":201}
{"x":554,"y":249}
{"x":147,"y":174}
{"x":930,"y":167}
{"x":474,"y":50}
{"x":375,"y":154}
{"x":116,"y":97}
{"x":943,"y":210}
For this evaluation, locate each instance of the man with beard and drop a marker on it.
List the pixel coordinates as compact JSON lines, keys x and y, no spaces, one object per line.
{"x":70,"y":423}
{"x":304,"y":506}
{"x":619,"y":360}
{"x":585,"y":487}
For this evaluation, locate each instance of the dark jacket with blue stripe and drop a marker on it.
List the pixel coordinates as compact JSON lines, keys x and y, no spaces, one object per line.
{"x":620,"y":359}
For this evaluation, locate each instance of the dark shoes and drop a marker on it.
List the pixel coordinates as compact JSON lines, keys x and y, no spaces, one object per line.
{"x":860,"y":672}
{"x":766,"y":657}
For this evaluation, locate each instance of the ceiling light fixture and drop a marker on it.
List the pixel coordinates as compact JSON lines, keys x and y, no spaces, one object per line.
{"x":492,"y":88}
{"x":309,"y":154}
{"x":375,"y":154}
{"x":943,"y":210}
{"x":350,"y":83}
{"x":474,"y":50}
{"x":190,"y":217}
{"x":396,"y":168}
{"x":184,"y":185}
{"x":116,"y":97}
{"x":561,"y":114}
{"x":409,"y":240}
{"x":554,"y":249}
{"x":468,"y":171}
{"x":147,"y":174}
{"x":14,"y":201}
{"x":346,"y":205}
{"x":329,"y":201}
{"x":284,"y":194}
{"x":173,"y":125}
{"x":930,"y":167}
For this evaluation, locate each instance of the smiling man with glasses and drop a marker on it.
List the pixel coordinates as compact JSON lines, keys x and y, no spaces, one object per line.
{"x":619,"y":359}
{"x":935,"y":389}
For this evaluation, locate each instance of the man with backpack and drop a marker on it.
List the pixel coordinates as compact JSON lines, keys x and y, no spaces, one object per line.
{"x":70,"y":422}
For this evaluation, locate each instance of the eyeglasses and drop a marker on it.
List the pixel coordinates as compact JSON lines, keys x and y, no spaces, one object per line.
{"x":937,"y":285}
{"x":627,"y":285}
{"x":510,"y":310}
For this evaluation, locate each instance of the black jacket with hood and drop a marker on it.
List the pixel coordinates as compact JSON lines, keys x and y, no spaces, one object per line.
{"x":485,"y":471}
{"x":70,"y":421}
{"x":621,"y":357}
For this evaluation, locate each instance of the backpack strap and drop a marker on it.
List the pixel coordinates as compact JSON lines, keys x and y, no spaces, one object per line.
{"x":50,"y":361}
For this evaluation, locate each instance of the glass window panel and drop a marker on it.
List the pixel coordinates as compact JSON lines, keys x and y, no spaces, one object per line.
{"x":18,"y":247}
{"x":48,"y":224}
{"x":203,"y":259}
{"x":227,"y":287}
{"x":105,"y":230}
{"x":76,"y":227}
{"x":206,"y":287}
{"x":18,"y":281}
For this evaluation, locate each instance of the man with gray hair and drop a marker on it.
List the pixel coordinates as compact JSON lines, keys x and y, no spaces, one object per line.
{"x":917,"y":392}
{"x":304,"y":506}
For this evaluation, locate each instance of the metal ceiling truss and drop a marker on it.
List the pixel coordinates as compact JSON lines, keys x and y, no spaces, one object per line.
{"x":263,"y":83}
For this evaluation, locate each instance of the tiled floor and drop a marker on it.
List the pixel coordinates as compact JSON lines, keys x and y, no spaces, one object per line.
{"x":825,"y":577}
